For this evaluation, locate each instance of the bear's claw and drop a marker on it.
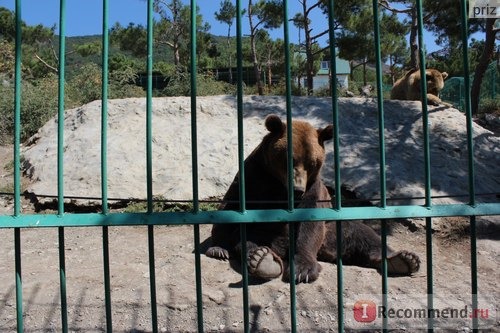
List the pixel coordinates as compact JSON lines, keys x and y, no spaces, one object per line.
{"x":217,"y":253}
{"x":264,"y":263}
{"x":403,"y":263}
{"x":305,"y":271}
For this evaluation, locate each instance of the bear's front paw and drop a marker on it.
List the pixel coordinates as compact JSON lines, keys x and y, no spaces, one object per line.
{"x":217,"y":252}
{"x":264,"y":263}
{"x":306,"y":270}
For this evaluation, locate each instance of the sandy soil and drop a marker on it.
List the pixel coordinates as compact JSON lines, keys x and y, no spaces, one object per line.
{"x":221,"y":282}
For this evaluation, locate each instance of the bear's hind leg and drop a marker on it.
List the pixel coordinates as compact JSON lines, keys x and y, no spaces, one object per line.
{"x":361,"y":246}
{"x":264,"y":263}
{"x":398,"y":262}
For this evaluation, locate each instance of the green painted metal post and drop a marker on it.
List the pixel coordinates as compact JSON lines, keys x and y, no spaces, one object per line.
{"x":291,"y":225}
{"x":62,"y":279}
{"x":430,"y":274}
{"x":241,"y":163}
{"x":427,"y":162}
{"x":149,"y":166}
{"x":104,"y":107}
{"x":60,"y":161}
{"x":470,"y":152}
{"x":107,"y":280}
{"x":19,"y":280}
{"x":152,"y":279}
{"x":104,"y":159}
{"x":104,"y":172}
{"x":336,"y":161}
{"x":17,"y":168}
{"x":381,"y":129}
{"x":194,"y":152}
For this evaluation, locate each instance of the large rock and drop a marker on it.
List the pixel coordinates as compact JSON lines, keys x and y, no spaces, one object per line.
{"x":218,"y":154}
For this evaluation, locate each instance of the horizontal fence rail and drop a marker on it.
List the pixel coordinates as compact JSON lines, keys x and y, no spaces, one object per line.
{"x":382,"y":211}
{"x":250,"y":216}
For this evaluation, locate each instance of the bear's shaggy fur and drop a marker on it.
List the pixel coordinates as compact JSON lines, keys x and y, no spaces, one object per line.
{"x":266,"y":188}
{"x":408,"y":87}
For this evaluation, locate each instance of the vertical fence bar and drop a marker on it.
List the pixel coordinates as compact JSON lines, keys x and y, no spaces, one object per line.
{"x":149,"y":108}
{"x":60,"y":113}
{"x":473,"y":267}
{"x":291,"y":225}
{"x":194,"y":150}
{"x":336,"y":161}
{"x":430,"y":278}
{"x":107,"y":282}
{"x":62,"y":278}
{"x":149,"y":166}
{"x":241,"y":164}
{"x":383,"y":199}
{"x":470,"y":151}
{"x":380,"y":105}
{"x":17,"y":164}
{"x":60,"y":161}
{"x":244,"y":277}
{"x":152,"y":279}
{"x":194,"y":126}
{"x":425,"y":112}
{"x":335,"y":109}
{"x":104,"y":107}
{"x":427,"y":162}
{"x":104,"y":159}
{"x":468,"y":107}
{"x":199,"y":291}
{"x":19,"y":280}
{"x":17,"y":112}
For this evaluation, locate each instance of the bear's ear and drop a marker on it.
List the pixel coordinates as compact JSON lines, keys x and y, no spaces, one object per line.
{"x":274,"y":124}
{"x":325,"y":134}
{"x":445,"y":75}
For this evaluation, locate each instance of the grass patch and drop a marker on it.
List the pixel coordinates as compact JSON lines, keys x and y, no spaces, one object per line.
{"x":160,"y":204}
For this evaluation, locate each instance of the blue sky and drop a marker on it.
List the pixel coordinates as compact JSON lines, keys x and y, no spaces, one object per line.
{"x":84,"y":17}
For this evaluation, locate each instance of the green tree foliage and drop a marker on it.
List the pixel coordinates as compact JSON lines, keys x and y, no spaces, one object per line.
{"x":38,"y":52}
{"x":173,"y":30}
{"x":262,"y":15}
{"x":443,"y":18}
{"x":444,"y":21}
{"x":394,"y":48}
{"x":310,"y":46}
{"x":227,"y":14}
{"x":356,"y":40}
{"x":133,"y":38}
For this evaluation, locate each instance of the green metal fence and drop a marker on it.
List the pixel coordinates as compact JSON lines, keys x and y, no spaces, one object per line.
{"x":62,"y":220}
{"x":454,"y":88}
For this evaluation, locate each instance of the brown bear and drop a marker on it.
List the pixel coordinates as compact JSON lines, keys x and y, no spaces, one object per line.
{"x":266,"y":188}
{"x":408,"y":87}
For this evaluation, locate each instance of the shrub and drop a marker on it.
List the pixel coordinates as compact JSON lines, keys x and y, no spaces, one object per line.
{"x":38,"y":104}
{"x":490,"y":105}
{"x":179,"y":85}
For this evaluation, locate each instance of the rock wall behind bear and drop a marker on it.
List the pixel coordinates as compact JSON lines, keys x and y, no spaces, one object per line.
{"x":218,"y":154}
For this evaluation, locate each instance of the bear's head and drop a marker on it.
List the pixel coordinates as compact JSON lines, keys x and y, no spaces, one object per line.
{"x":435,"y":81}
{"x":308,"y":151}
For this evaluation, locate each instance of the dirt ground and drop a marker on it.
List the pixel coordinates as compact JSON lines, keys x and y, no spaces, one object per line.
{"x":269,"y":302}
